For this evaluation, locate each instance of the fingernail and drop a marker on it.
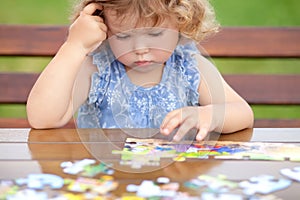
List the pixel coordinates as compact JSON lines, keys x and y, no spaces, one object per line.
{"x":165,"y":131}
{"x":199,"y":137}
{"x":176,"y":138}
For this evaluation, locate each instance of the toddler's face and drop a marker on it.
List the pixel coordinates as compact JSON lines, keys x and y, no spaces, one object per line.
{"x":140,"y":46}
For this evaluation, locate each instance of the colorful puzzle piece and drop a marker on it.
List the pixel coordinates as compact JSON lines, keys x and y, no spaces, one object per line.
{"x":217,"y":184}
{"x":145,"y":152}
{"x":86,"y":168}
{"x":76,"y":167}
{"x":39,"y":181}
{"x":100,"y":186}
{"x":28,"y":194}
{"x":161,"y":188}
{"x":293,"y":174}
{"x":263,"y":184}
{"x":93,"y":170}
{"x":7,"y":188}
{"x":214,"y":196}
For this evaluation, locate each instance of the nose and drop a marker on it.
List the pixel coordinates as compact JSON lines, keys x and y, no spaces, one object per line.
{"x":141,"y":51}
{"x":140,"y":46}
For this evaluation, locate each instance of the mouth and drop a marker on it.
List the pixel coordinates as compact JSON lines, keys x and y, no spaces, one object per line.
{"x":143,"y":63}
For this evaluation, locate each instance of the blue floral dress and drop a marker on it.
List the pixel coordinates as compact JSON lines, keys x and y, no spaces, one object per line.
{"x":115,"y":102}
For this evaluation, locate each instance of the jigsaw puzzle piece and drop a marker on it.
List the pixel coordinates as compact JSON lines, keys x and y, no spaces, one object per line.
{"x":39,"y":181}
{"x":76,"y":167}
{"x":263,"y":184}
{"x":293,"y":174}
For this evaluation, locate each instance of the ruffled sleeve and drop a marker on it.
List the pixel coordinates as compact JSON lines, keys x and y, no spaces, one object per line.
{"x":89,"y":112}
{"x":187,"y":65}
{"x":103,"y":59}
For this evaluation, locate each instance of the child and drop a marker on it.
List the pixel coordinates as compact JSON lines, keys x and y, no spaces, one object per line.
{"x":134,"y":64}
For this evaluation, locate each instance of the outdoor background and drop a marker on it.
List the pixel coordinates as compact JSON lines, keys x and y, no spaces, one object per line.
{"x":229,"y":13}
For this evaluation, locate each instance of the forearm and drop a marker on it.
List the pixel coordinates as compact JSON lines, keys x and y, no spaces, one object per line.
{"x":49,"y":102}
{"x":233,"y":116}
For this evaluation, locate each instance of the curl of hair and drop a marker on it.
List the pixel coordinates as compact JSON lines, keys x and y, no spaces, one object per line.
{"x":195,"y":18}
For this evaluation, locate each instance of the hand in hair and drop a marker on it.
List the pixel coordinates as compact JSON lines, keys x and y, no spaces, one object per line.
{"x":88,"y":30}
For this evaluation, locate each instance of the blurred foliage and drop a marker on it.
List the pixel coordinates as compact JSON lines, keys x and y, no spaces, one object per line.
{"x":257,"y":12}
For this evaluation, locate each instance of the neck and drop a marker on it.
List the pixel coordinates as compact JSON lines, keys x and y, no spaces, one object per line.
{"x":145,"y":79}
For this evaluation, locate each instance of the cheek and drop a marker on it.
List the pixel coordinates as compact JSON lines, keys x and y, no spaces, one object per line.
{"x":126,"y":59}
{"x":160,"y":55}
{"x":120,"y":48}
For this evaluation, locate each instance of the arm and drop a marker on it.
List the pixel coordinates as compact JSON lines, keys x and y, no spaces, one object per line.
{"x":50,"y":103}
{"x":230,"y":110}
{"x":221,"y":110}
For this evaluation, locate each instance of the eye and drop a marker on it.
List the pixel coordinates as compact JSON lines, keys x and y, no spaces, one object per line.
{"x":122,"y":36}
{"x":156,"y":33}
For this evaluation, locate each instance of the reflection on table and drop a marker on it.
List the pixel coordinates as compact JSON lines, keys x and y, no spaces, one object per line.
{"x":27,"y":151}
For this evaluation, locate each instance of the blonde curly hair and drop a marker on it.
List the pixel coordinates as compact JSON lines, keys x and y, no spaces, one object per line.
{"x":195,"y":18}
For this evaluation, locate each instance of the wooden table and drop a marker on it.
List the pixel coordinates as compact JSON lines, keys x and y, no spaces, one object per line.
{"x":26,"y":151}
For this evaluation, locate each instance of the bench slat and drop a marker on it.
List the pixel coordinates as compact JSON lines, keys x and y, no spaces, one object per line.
{"x":229,"y":42}
{"x":255,"y":42}
{"x":16,"y":87}
{"x":256,"y":89}
{"x":31,"y":40}
{"x":267,"y":89}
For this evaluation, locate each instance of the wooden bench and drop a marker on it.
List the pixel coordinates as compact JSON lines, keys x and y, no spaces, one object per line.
{"x":230,"y":42}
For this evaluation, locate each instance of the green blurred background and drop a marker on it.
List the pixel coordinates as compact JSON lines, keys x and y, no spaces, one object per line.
{"x":229,"y":13}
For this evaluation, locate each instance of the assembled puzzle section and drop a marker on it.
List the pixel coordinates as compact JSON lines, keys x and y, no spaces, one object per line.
{"x":149,"y":152}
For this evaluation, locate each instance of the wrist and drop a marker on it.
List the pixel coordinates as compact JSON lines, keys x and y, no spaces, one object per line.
{"x":76,"y":47}
{"x":216,"y":114}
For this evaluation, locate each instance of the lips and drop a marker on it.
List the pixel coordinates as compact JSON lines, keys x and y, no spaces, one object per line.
{"x":142,"y":63}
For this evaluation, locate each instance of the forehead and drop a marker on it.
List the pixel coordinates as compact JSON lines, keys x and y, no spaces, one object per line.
{"x":130,"y":21}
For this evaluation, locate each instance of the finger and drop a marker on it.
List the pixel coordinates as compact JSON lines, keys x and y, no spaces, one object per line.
{"x":170,"y":116}
{"x":202,"y":133}
{"x":97,"y":19}
{"x":171,"y":121}
{"x":183,"y":129}
{"x":91,"y":8}
{"x":103,"y":27}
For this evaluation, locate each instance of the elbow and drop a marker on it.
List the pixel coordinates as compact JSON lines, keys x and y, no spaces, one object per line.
{"x":37,"y":118}
{"x":250,"y":117}
{"x":37,"y":123}
{"x":40,"y":121}
{"x":241,"y":119}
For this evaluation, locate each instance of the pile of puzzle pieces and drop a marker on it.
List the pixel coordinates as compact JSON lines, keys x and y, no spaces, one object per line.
{"x":85,"y":186}
{"x":37,"y":186}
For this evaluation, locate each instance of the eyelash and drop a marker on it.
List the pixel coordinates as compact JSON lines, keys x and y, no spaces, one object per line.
{"x":124,"y":37}
{"x":156,"y":34}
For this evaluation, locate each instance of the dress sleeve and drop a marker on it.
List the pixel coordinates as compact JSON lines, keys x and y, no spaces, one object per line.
{"x":188,"y":67}
{"x":89,"y":112}
{"x":100,"y":79}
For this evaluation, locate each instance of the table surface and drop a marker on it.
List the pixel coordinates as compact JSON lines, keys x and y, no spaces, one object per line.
{"x":27,"y":151}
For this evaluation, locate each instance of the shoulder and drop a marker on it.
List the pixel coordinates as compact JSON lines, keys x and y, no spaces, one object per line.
{"x":184,"y":58}
{"x":186,"y":49}
{"x":184,"y":63}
